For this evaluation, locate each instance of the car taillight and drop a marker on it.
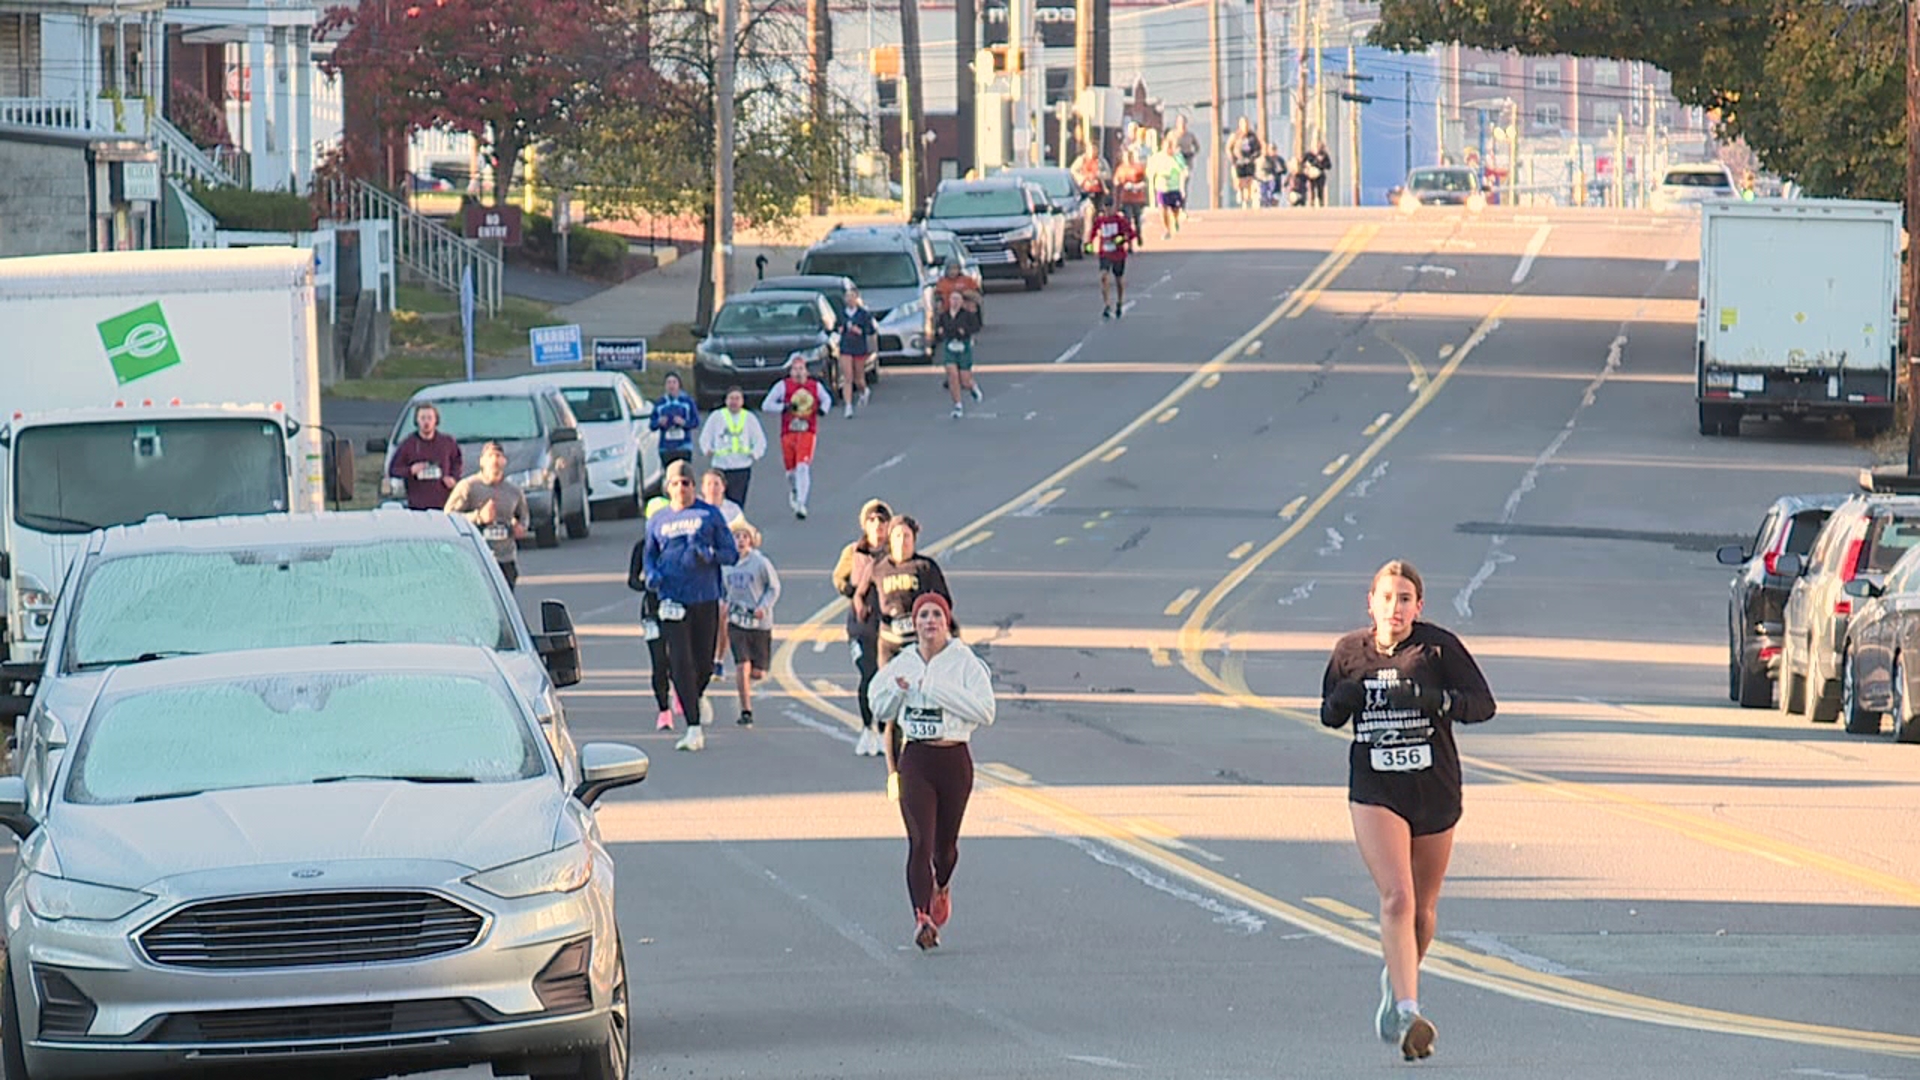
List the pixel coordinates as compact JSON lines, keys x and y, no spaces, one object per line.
{"x":1850,"y":565}
{"x":1843,"y":606}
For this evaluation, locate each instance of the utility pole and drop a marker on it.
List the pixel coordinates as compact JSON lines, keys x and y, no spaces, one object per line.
{"x":1439,"y":124}
{"x":1319,"y":95}
{"x":1261,"y":61}
{"x":1354,"y":99}
{"x":966,"y":45}
{"x":1912,"y":13}
{"x":817,"y":31}
{"x":1300,"y":79}
{"x":1406,"y":111}
{"x":1218,"y":133}
{"x":1082,"y":68}
{"x":723,"y":61}
{"x":1025,"y":138}
{"x":912,"y":110}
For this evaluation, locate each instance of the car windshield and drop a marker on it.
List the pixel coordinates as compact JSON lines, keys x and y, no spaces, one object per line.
{"x":75,"y":478}
{"x":592,"y":404}
{"x":759,"y":317}
{"x":1058,"y":185}
{"x":977,"y":202}
{"x":868,"y":269}
{"x":288,"y":730}
{"x":481,"y":419}
{"x":1441,"y":180}
{"x":1696,"y":178}
{"x":395,"y":591}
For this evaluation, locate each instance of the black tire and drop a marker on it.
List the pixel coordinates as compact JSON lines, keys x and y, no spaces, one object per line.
{"x":1859,"y":721}
{"x":546,"y":534}
{"x":1793,"y":688}
{"x":1709,"y":422}
{"x":1871,"y":425}
{"x":1904,"y":729}
{"x":1733,"y":661}
{"x":13,"y":1054}
{"x":1036,"y":280}
{"x":1756,"y":687}
{"x":1823,"y":697}
{"x":579,"y":525}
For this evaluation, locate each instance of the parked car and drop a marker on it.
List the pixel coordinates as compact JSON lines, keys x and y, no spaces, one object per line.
{"x":754,"y":336}
{"x":1757,"y":606}
{"x":530,"y":420}
{"x":1068,"y":200}
{"x":1882,"y":655}
{"x":834,"y":289}
{"x":1862,"y":540}
{"x":623,"y":452}
{"x":1000,"y":223}
{"x":341,"y":856}
{"x":1685,"y":187}
{"x":891,"y":267}
{"x":393,"y":576}
{"x":1440,"y":185}
{"x":1053,"y":225}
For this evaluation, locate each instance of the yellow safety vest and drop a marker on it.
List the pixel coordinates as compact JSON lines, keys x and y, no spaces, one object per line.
{"x":735,"y":443}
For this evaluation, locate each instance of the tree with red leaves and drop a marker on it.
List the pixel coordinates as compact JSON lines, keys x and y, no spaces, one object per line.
{"x":511,"y":73}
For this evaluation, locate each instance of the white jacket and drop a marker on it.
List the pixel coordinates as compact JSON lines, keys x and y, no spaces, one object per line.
{"x":944,"y":700}
{"x":716,"y":441}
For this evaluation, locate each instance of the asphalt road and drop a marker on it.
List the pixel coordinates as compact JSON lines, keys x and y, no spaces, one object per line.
{"x":1154,"y":528}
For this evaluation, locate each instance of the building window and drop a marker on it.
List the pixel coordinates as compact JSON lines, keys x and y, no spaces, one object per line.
{"x":1607,"y":73}
{"x":19,"y":55}
{"x":1486,"y":75}
{"x":1606,"y":112}
{"x":130,"y":57}
{"x":1546,"y":77}
{"x":1546,"y":115}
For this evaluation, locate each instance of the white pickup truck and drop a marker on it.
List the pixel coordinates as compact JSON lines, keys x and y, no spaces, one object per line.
{"x":142,"y":383}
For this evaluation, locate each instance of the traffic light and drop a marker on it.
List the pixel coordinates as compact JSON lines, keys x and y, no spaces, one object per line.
{"x":884,"y":61}
{"x":1006,"y":59}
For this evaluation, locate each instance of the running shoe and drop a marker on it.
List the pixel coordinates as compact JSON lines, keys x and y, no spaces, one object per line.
{"x":863,"y":743}
{"x":1120,"y":312}
{"x":719,"y":668}
{"x":694,"y":740}
{"x":975,"y":391}
{"x":1416,"y":1034}
{"x":800,"y":510}
{"x":665,"y":723}
{"x":942,"y":907}
{"x":925,"y":934}
{"x":746,"y":718}
{"x":1385,"y":1020}
{"x":958,"y":411}
{"x":849,"y":412}
{"x":866,"y":392}
{"x":1106,"y":312}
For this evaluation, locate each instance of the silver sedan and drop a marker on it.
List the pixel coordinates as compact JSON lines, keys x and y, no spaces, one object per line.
{"x":355,"y":857}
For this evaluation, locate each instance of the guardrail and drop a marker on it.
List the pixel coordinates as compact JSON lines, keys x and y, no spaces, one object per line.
{"x":66,"y":114}
{"x":429,"y":249}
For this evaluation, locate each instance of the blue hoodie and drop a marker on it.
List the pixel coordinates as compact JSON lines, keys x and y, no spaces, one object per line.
{"x":681,"y":556}
{"x":676,"y":407}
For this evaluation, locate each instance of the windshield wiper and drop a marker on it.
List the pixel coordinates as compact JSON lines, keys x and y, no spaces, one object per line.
{"x":29,"y":517}
{"x":158,"y":654}
{"x":160,"y":796}
{"x":349,"y":777}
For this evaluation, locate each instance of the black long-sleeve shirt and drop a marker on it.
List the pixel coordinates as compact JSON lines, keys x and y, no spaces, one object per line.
{"x":1432,"y":657}
{"x":892,"y":587}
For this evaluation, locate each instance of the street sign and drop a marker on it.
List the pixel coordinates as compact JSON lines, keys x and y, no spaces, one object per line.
{"x":555,"y":345}
{"x":619,"y":354}
{"x":500,"y":223}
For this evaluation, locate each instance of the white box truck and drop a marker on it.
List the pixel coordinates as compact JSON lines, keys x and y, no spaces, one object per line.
{"x":136,"y":383}
{"x":1798,"y":311}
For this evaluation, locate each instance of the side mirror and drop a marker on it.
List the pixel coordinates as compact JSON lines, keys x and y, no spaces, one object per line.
{"x":13,"y":807}
{"x":1862,"y":589}
{"x":605,"y":766}
{"x":558,"y":645}
{"x":1790,"y":565}
{"x":565,"y":435}
{"x":700,"y":330}
{"x":1731,"y":555}
{"x":6,"y":566}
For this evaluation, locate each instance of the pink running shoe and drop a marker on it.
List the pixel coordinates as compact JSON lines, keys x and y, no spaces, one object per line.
{"x":666,"y":721}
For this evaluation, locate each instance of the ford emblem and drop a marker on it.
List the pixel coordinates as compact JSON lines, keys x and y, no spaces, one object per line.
{"x":307,"y":872}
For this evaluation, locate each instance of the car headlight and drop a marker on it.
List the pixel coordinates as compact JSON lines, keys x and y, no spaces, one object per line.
{"x":562,"y":870}
{"x":531,"y":479}
{"x":1024,"y":232}
{"x":713,"y":356}
{"x":908,"y":310}
{"x":55,"y":898}
{"x":605,"y":453}
{"x":36,"y":605}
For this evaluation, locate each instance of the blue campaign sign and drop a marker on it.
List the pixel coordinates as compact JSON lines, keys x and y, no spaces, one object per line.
{"x":553,"y":345}
{"x":619,"y":354}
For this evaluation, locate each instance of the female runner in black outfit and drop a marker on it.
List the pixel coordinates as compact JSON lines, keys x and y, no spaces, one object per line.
{"x":1404,"y":684}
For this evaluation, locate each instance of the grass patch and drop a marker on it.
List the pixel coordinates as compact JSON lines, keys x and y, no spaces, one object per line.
{"x":425,"y":301}
{"x":674,"y":338}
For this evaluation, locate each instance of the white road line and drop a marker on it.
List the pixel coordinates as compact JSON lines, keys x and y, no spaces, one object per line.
{"x":1073,"y":350}
{"x":1533,"y":250}
{"x":1236,"y":918}
{"x":887,"y":464}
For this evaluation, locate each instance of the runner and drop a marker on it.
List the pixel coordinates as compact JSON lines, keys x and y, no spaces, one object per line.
{"x":1130,"y":182}
{"x":734,"y":440}
{"x":663,"y":697}
{"x":1317,"y":164}
{"x":897,"y":581}
{"x":936,"y":695}
{"x":680,"y":558}
{"x":1243,"y":150}
{"x":801,"y":400}
{"x":1404,"y":683}
{"x":858,"y":333}
{"x":753,"y":587}
{"x":676,"y":418}
{"x":1091,"y":172}
{"x":713,"y":491}
{"x":1116,"y":235}
{"x":850,"y":575}
{"x":953,"y":332}
{"x":1186,"y":144}
{"x":497,"y":506}
{"x":1167,"y":175}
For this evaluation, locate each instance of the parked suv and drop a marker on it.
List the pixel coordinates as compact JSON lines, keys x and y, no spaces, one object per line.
{"x":1759,"y":592}
{"x":1866,"y":535}
{"x":1068,"y":201}
{"x":999,"y":223}
{"x":891,"y":266}
{"x":532,"y":422}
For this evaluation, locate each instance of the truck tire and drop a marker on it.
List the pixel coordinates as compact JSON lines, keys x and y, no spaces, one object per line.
{"x":1860,"y":721}
{"x":1872,"y":425}
{"x":337,"y":468}
{"x":1719,"y":419}
{"x":1036,"y":280}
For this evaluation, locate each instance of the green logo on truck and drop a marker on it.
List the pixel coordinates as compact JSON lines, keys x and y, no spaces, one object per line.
{"x":139,"y":343}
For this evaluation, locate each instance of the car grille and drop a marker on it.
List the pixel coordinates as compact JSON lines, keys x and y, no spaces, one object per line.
{"x":984,"y":241}
{"x":359,"y":1020}
{"x":311,"y":930}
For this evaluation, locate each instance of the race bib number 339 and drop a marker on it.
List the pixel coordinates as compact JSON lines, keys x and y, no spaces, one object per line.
{"x":1402,"y":758}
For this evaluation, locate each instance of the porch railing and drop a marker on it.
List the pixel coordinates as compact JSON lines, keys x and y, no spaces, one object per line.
{"x":435,"y":253}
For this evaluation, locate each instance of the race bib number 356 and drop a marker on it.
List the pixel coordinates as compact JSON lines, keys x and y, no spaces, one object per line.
{"x":1402,"y":758}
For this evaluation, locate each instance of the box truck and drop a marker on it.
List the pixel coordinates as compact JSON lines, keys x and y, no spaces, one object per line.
{"x":1798,"y":311}
{"x":142,"y":383}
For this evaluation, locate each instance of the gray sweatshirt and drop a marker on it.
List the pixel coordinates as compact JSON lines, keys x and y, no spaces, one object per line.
{"x":752,"y":584}
{"x":509,"y":508}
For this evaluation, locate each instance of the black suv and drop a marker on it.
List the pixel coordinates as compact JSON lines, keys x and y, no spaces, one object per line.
{"x":1757,"y":607}
{"x":998,"y":222}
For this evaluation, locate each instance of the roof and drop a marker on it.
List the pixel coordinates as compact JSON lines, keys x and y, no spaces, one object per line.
{"x":997,"y":180}
{"x":774,"y":294}
{"x":436,"y":659}
{"x":513,"y":386}
{"x":1829,"y":500}
{"x":241,"y":532}
{"x":803,"y":283}
{"x":583,"y":378}
{"x":197,"y":270}
{"x":871,"y":237}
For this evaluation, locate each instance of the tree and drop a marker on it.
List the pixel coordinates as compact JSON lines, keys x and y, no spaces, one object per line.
{"x":508,"y":72}
{"x":658,"y":156}
{"x":1803,"y":82}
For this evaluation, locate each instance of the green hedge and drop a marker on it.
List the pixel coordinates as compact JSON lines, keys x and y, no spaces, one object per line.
{"x":263,"y":211}
{"x":592,"y":252}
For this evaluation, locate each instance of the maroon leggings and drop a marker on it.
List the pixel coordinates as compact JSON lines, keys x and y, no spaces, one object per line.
{"x":935,"y":782}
